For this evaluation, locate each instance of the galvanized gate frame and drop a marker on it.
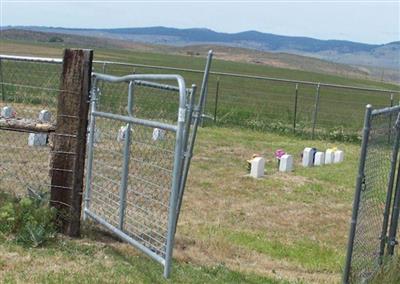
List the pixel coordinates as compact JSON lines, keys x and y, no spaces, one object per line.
{"x":390,"y":215}
{"x":189,"y":117}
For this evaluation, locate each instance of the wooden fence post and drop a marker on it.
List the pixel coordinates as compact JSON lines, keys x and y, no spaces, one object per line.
{"x":69,"y":148}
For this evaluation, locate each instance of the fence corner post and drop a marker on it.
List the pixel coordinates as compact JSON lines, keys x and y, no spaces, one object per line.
{"x":315,"y":114}
{"x":69,"y":148}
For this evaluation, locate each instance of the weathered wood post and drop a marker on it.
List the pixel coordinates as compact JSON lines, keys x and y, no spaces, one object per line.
{"x":69,"y":148}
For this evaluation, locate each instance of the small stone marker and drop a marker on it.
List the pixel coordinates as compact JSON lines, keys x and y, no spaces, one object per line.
{"x":319,"y":159}
{"x":286,"y":163}
{"x":158,"y":134}
{"x":339,"y":156}
{"x":44,"y":116}
{"x":308,"y":157}
{"x":122,"y":133}
{"x":329,"y":156}
{"x":37,"y":139}
{"x":257,"y":167}
{"x":7,"y":112}
{"x":40,"y":139}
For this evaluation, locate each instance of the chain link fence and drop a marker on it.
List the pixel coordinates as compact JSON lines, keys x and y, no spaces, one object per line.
{"x":309,"y":109}
{"x":27,"y":87}
{"x":374,"y":193}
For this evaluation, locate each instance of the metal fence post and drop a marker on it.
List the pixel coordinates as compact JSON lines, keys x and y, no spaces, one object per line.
{"x":315,"y":114}
{"x":393,"y":166}
{"x":295,"y":108}
{"x":204,"y":85}
{"x":216,"y":100}
{"x":3,"y":95}
{"x":127,"y":155}
{"x":392,"y":242}
{"x":391,"y":118}
{"x":359,"y":185}
{"x":89,"y":165}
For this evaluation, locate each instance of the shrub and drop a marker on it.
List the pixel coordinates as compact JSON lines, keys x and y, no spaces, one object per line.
{"x":29,"y":221}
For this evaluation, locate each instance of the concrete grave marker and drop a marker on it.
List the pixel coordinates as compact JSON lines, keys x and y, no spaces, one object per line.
{"x":286,"y":163}
{"x":308,"y":157}
{"x":339,"y":156}
{"x":7,"y":112}
{"x":329,"y":156}
{"x":257,"y":167}
{"x":45,"y":115}
{"x":122,"y":133}
{"x":319,"y":159}
{"x":37,"y":139}
{"x":40,"y":139}
{"x":158,"y":134}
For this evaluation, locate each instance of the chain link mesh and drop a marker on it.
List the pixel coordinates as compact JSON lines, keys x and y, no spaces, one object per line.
{"x":366,"y":254}
{"x":28,"y":88}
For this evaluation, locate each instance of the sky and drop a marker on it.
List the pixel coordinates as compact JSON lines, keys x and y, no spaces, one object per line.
{"x":374,"y":22}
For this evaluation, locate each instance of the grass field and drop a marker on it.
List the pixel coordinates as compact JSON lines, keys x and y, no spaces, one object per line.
{"x":249,"y":103}
{"x":233,"y":229}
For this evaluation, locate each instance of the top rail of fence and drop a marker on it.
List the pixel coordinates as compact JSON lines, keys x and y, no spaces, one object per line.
{"x":227,"y":74}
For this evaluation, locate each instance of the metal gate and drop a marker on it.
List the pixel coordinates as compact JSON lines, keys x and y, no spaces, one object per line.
{"x":374,"y":221}
{"x":139,"y":154}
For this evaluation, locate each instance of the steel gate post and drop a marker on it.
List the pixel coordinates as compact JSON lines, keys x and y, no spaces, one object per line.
{"x":393,"y":165}
{"x":89,"y":166}
{"x":392,"y":242}
{"x":359,"y":185}
{"x":296,"y":95}
{"x":3,"y":95}
{"x":178,"y":158}
{"x":125,"y":166}
{"x":315,"y":114}
{"x":187,"y":155}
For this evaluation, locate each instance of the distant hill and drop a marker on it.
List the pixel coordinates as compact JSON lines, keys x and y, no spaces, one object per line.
{"x":348,"y":52}
{"x":307,"y":61}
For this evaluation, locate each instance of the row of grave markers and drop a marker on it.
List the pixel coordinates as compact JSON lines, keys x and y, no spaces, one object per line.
{"x":310,"y":157}
{"x":41,"y":139}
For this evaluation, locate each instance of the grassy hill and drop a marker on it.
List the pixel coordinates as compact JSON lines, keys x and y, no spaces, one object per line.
{"x":244,"y":55}
{"x":250,"y":103}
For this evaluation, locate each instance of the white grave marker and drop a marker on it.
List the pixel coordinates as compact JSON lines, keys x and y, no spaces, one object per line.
{"x":257,"y":167}
{"x":44,"y":116}
{"x":329,"y":156}
{"x":158,"y":134}
{"x":319,"y":159}
{"x":40,"y":139}
{"x":286,"y":163}
{"x":339,"y":157}
{"x":37,"y":139}
{"x":122,"y":133}
{"x":308,"y":157}
{"x":7,"y":112}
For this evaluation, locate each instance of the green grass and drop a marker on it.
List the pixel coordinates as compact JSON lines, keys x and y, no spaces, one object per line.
{"x":306,"y":253}
{"x":104,"y":264}
{"x":249,"y":103}
{"x":233,"y":229}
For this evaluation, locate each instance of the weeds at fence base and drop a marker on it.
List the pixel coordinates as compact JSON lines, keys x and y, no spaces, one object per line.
{"x":27,"y":221}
